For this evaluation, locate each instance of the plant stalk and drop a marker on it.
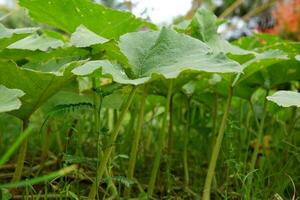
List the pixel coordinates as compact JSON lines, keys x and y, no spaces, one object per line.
{"x":216,"y":149}
{"x":21,"y":156}
{"x":135,"y":142}
{"x":258,"y":143}
{"x":112,"y":139}
{"x":185,"y":147}
{"x":160,"y":143}
{"x":170,"y":144}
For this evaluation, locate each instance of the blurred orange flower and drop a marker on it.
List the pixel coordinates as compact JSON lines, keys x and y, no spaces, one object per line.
{"x":287,"y":17}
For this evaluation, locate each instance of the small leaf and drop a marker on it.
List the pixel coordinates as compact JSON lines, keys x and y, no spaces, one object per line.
{"x":9,"y":36}
{"x":83,"y":37}
{"x":204,"y":27}
{"x":297,"y":57}
{"x":285,"y":98}
{"x":36,"y":42}
{"x":9,"y":99}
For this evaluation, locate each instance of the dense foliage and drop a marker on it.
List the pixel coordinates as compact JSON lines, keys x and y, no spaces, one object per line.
{"x":98,"y":104}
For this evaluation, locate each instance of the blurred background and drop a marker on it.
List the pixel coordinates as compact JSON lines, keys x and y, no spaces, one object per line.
{"x":242,"y":17}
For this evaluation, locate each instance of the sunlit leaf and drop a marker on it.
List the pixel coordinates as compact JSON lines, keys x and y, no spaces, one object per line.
{"x":166,"y":53}
{"x":9,"y":99}
{"x":83,"y":37}
{"x":67,"y":15}
{"x":36,"y":42}
{"x":9,"y":36}
{"x":285,"y":98}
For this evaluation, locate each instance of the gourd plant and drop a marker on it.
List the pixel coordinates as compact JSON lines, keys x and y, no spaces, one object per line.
{"x":35,"y":64}
{"x":164,"y":54}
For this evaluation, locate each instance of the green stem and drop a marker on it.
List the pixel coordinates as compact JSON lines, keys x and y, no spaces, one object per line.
{"x":135,"y":142}
{"x":216,"y":149}
{"x":257,"y":145}
{"x":107,"y":152}
{"x":170,"y":144}
{"x":21,"y":156}
{"x":185,"y":147}
{"x":15,"y":145}
{"x":160,"y":143}
{"x":41,"y":179}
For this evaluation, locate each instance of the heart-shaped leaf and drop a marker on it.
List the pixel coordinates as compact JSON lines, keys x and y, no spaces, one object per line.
{"x":165,"y":53}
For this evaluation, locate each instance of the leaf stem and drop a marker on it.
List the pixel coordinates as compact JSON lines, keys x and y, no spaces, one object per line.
{"x":216,"y":149}
{"x":160,"y":143}
{"x":107,"y":152}
{"x":258,"y":143}
{"x":135,"y":142}
{"x":185,"y":147}
{"x":21,"y":156}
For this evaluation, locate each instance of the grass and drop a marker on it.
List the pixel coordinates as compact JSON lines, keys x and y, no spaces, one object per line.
{"x":276,"y":173}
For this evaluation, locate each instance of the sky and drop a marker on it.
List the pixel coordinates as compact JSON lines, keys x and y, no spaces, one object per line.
{"x":160,"y":11}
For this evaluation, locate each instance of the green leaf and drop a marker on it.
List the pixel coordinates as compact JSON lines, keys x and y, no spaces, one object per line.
{"x":297,"y":57}
{"x":260,"y":62}
{"x":9,"y":36}
{"x":107,"y":68}
{"x":83,"y":37}
{"x":36,"y":42}
{"x":285,"y":98}
{"x":204,"y":27}
{"x":169,"y":53}
{"x":42,"y":56}
{"x":9,"y":99}
{"x":166,"y":53}
{"x":38,"y":86}
{"x":67,"y":15}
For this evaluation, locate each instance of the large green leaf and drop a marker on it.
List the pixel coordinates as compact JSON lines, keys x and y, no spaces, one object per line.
{"x":9,"y":99}
{"x":165,"y":53}
{"x":69,"y":14}
{"x":9,"y":36}
{"x":38,"y":86}
{"x":285,"y":98}
{"x":169,"y":53}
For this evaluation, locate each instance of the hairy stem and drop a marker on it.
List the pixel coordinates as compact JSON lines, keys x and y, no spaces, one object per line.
{"x":101,"y":168}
